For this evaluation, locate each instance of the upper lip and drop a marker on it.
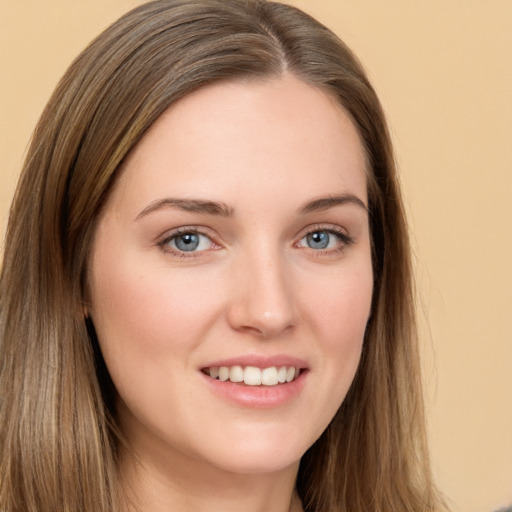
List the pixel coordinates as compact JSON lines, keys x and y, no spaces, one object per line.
{"x":260,"y":361}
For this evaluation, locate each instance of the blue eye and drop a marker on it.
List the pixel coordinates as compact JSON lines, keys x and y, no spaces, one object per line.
{"x":318,"y":240}
{"x":189,"y":242}
{"x":321,"y":239}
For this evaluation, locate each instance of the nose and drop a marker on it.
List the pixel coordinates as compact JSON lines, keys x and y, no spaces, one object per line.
{"x":263,"y":299}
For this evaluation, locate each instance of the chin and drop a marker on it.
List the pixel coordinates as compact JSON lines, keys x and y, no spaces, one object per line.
{"x":257,"y":464}
{"x":260,"y":454}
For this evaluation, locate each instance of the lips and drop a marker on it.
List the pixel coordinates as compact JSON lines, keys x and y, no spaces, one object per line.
{"x":256,"y":380}
{"x":253,"y":375}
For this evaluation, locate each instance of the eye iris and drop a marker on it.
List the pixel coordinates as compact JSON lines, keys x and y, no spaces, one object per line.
{"x":318,"y":240}
{"x":187,"y":242}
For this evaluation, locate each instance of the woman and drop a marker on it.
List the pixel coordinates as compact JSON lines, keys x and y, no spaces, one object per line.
{"x":206,"y":290}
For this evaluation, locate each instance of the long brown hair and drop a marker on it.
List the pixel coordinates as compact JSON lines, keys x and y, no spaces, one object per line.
{"x":58,"y":435}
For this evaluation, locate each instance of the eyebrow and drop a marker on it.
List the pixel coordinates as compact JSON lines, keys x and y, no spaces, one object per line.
{"x":223,"y":210}
{"x":324,"y":203}
{"x":189,"y":205}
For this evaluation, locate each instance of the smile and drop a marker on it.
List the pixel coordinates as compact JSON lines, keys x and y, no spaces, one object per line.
{"x":254,"y":376}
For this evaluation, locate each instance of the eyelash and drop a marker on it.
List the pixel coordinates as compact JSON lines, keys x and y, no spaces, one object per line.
{"x":344,"y":238}
{"x":192,"y":230}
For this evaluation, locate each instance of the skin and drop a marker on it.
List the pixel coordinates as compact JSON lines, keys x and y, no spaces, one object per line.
{"x":255,"y":286}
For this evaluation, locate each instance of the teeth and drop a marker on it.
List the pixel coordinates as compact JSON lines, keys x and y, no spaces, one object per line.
{"x":224,"y":373}
{"x":253,"y":376}
{"x":269,"y":376}
{"x":236,"y":374}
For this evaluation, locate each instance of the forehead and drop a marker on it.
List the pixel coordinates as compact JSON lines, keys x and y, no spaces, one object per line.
{"x":229,"y":137}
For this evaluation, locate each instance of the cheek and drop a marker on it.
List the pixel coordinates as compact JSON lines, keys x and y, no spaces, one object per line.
{"x":149,"y":322}
{"x":340,"y":315}
{"x":342,"y":308}
{"x":141,"y":310}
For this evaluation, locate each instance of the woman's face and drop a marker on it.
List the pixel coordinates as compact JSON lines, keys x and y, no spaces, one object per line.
{"x":235,"y":245}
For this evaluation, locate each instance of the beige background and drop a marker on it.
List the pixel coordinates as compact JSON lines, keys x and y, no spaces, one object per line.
{"x":443,"y":69}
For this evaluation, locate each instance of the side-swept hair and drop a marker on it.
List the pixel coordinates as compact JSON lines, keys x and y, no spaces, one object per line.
{"x":58,"y":437}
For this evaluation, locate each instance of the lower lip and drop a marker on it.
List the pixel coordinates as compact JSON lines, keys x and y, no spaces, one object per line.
{"x":258,"y":397}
